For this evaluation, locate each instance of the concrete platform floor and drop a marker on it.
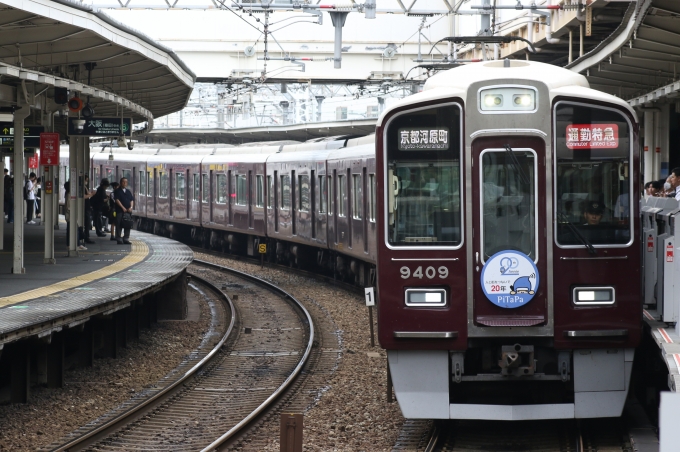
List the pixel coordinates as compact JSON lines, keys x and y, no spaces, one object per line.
{"x":102,"y":253}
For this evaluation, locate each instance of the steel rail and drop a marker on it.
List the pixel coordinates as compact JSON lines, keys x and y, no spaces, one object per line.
{"x":264,"y":405}
{"x":118,"y":421}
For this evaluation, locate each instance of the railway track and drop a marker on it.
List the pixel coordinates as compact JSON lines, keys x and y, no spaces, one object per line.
{"x":592,"y":435}
{"x":262,"y":351}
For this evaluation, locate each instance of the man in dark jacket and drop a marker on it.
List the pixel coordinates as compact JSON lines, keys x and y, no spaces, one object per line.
{"x":100,"y":206}
{"x":125,"y":202}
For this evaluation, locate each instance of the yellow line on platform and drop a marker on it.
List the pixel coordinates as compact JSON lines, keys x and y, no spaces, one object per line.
{"x":139,"y":251}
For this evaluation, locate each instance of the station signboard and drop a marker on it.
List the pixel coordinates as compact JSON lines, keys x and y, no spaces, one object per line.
{"x":49,"y":149}
{"x":31,"y":136}
{"x":100,"y":127}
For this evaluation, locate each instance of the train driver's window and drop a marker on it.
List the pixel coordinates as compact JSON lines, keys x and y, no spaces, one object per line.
{"x":221,"y":197}
{"x":422,"y":190}
{"x":593,"y":150}
{"x":164,"y":185}
{"x":508,"y":199}
{"x":285,"y":192}
{"x":206,"y":188}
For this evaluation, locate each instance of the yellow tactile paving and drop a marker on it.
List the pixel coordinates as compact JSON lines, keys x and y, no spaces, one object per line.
{"x":139,"y":251}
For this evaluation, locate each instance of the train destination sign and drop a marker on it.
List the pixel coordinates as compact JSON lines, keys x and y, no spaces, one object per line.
{"x":101,"y":127}
{"x":31,"y":135}
{"x":592,"y":136}
{"x":510,"y":279}
{"x":423,"y":139}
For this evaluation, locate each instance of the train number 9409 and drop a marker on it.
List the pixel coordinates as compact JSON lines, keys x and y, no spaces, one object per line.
{"x":429,"y":272}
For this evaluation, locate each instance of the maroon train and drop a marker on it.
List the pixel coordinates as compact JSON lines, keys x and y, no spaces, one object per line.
{"x":497,"y":205}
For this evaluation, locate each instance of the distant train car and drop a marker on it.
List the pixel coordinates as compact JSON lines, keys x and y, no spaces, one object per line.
{"x":508,"y":257}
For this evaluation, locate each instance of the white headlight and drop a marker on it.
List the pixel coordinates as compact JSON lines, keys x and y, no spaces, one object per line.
{"x":593,"y":296}
{"x":425,"y":297}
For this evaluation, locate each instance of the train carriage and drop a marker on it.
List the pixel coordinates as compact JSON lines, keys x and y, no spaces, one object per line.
{"x":508,"y":264}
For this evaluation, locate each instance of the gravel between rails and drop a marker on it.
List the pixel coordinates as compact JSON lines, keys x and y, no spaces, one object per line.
{"x":91,"y":392}
{"x":351,"y":413}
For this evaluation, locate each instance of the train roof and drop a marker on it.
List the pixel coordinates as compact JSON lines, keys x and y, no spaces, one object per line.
{"x":455,"y":82}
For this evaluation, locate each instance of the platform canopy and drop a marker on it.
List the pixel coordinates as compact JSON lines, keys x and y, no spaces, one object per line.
{"x":58,"y":43}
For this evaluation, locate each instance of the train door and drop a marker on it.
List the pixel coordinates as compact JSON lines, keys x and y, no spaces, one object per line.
{"x":212,"y":194}
{"x":509,"y":215}
{"x":276,"y":201}
{"x":155,"y":190}
{"x":294,"y":210}
{"x":312,"y":193}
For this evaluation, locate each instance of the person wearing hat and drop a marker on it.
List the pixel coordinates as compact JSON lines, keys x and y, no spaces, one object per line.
{"x":593,"y":213}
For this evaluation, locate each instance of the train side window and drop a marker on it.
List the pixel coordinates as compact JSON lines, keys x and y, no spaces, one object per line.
{"x":356,"y":196}
{"x":127,"y":175}
{"x":285,"y":192}
{"x":164,"y":185}
{"x":109,"y":174}
{"x":221,"y":189}
{"x":179,"y":186}
{"x":270,"y":192}
{"x":371,"y":197}
{"x":593,"y":165}
{"x":241,"y":194}
{"x":150,"y":184}
{"x":342,"y":195}
{"x":96,"y":176}
{"x":142,"y":183}
{"x":303,"y":190}
{"x":206,"y":188}
{"x":259,"y":191}
{"x":197,"y":187}
{"x":323,"y":195}
{"x":330,"y":195}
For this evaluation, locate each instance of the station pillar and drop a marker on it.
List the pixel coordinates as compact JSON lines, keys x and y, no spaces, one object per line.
{"x":19,"y":203}
{"x":662,"y":140}
{"x":73,"y":182}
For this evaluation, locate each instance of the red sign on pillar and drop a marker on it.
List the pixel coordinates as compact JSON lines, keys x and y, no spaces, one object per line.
{"x":49,"y":149}
{"x":33,"y":162}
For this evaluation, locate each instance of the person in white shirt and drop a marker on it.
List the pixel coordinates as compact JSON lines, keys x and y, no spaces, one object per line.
{"x":674,"y":179}
{"x":30,"y":198}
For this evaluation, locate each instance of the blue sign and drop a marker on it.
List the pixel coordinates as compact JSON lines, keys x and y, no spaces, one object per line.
{"x":510,"y":279}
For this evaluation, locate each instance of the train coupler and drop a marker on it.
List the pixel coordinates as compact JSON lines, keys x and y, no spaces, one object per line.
{"x":517,"y":360}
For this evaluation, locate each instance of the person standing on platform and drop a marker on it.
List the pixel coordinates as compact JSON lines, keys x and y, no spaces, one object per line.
{"x":100,"y":206}
{"x":125,"y":202}
{"x":674,"y":179}
{"x":29,"y":196}
{"x":9,"y":196}
{"x":88,"y":194}
{"x":112,"y":211}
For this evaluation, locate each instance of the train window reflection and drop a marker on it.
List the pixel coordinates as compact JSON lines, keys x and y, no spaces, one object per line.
{"x":270,"y":192}
{"x":206,"y":188}
{"x":508,"y":200}
{"x":304,"y":201}
{"x":285,"y":192}
{"x":241,"y":197}
{"x":259,"y":191}
{"x":426,"y":206}
{"x":342,"y":195}
{"x":593,"y":151}
{"x":221,"y":189}
{"x":356,"y":196}
{"x":323,"y":195}
{"x":164,"y":186}
{"x":179,"y":186}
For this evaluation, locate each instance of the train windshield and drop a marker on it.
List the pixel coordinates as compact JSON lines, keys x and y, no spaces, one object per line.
{"x":423,"y":178}
{"x":593,"y":151}
{"x":508,"y":200}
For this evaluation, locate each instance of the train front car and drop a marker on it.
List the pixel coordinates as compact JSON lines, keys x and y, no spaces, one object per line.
{"x":508,"y":264}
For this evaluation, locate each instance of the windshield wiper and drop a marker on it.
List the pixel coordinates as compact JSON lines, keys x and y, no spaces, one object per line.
{"x":518,"y":167}
{"x":577,"y":233}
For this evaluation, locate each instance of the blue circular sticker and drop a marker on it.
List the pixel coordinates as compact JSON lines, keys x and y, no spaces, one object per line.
{"x":510,"y":279}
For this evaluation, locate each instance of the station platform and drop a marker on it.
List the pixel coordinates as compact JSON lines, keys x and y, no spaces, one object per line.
{"x":98,"y":282}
